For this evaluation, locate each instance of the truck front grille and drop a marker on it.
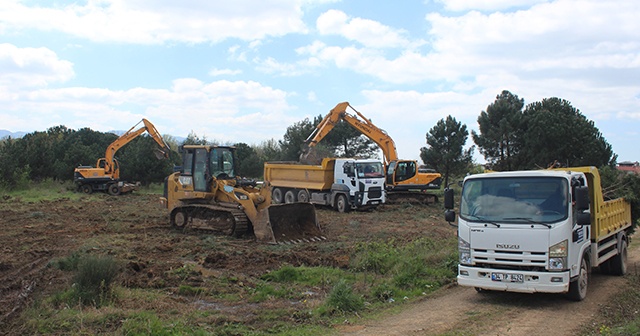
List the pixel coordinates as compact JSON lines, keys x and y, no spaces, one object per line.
{"x":510,"y":260}
{"x":375,"y":192}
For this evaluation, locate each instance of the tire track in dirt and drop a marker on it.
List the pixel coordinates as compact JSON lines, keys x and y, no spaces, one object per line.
{"x":461,"y":310}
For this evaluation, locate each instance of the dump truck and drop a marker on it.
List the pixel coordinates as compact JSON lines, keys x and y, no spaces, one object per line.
{"x":406,"y":181}
{"x":343,"y":184}
{"x":206,"y":193}
{"x":538,"y":231}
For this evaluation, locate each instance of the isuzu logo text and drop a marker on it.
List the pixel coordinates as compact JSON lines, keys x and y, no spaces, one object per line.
{"x":508,"y":246}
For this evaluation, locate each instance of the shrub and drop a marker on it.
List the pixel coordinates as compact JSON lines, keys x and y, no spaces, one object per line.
{"x":344,"y":299}
{"x":94,"y":278}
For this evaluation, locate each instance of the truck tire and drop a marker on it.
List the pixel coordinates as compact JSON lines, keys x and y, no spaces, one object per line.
{"x":113,"y":190}
{"x":276,"y":196}
{"x":303,"y":196}
{"x":86,"y":188}
{"x":289,"y":197}
{"x":342,"y":205}
{"x":578,"y":287}
{"x":618,"y":263}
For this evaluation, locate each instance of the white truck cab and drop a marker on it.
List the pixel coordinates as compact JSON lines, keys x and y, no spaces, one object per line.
{"x":537,"y":231}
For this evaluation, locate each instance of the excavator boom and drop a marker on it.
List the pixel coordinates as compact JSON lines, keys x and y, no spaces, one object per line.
{"x":403,"y":176}
{"x":105,"y":176}
{"x":110,"y":167}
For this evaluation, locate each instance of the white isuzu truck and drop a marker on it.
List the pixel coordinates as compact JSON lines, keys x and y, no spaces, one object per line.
{"x":538,"y":231}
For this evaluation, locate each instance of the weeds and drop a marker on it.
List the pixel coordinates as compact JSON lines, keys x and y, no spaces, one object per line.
{"x":343,"y":299}
{"x":94,"y":278}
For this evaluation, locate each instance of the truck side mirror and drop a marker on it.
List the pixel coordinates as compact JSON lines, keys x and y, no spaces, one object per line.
{"x":581,"y":194}
{"x":448,"y":198}
{"x":583,"y":218}
{"x":348,"y":169}
{"x":450,"y":216}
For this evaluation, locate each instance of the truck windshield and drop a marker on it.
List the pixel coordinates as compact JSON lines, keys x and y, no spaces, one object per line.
{"x":515,"y":199}
{"x":369,"y":169}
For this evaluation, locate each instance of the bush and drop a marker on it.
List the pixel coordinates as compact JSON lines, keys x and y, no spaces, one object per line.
{"x":94,"y":278}
{"x":342,"y":298}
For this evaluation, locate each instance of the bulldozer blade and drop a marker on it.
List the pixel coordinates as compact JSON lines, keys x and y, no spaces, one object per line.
{"x":289,"y":224}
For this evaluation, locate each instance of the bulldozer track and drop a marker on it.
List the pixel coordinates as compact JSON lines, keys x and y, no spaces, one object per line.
{"x":232,"y":222}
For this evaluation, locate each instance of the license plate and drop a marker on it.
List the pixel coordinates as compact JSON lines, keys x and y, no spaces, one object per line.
{"x":375,"y":202}
{"x":507,"y":277}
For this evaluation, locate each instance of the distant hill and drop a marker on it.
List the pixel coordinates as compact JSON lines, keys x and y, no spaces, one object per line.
{"x":5,"y":133}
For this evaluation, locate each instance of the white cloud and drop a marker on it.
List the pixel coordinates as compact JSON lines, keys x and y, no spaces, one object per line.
{"x":156,"y":22}
{"x":221,"y":72}
{"x":366,"y":32}
{"x":486,"y":5}
{"x":224,"y":110}
{"x":21,"y":67}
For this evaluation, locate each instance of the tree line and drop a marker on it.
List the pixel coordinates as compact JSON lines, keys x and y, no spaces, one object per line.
{"x":511,"y":136}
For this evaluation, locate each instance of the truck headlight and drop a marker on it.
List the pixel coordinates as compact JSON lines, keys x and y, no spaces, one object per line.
{"x":558,"y":256}
{"x":464,"y":252}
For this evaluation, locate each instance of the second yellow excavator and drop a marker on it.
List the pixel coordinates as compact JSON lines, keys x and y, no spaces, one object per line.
{"x":405,"y":179}
{"x":105,"y":176}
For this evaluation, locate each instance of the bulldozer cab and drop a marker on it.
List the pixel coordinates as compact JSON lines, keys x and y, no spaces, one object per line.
{"x":206,"y":162}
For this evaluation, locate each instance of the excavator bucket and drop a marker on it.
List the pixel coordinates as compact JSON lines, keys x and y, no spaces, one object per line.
{"x":288,"y":224}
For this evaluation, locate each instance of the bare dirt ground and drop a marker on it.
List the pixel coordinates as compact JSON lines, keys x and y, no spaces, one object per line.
{"x":134,"y":228}
{"x":462,"y":311}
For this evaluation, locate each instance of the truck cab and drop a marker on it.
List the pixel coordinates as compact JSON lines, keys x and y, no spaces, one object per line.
{"x":537,"y":231}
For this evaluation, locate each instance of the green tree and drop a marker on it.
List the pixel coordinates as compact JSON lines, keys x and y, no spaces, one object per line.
{"x":293,"y":143}
{"x":347,"y":141}
{"x":269,"y":150}
{"x":498,"y":140}
{"x":139,"y":161}
{"x":553,"y":130}
{"x":194,"y":139}
{"x":444,"y":151}
{"x":248,"y":161}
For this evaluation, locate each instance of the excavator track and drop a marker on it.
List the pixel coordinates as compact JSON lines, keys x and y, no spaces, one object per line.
{"x":221,"y":219}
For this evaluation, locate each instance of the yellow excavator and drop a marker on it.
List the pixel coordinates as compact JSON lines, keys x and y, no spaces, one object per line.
{"x":105,"y":176}
{"x":405,"y":179}
{"x":205,"y":193}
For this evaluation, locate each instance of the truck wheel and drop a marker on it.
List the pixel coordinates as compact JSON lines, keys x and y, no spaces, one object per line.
{"x":618,"y":263}
{"x":114,"y":190}
{"x":341,"y":203}
{"x":86,"y":189}
{"x":276,"y":195}
{"x":303,"y":196}
{"x":578,"y":287}
{"x":289,"y":197}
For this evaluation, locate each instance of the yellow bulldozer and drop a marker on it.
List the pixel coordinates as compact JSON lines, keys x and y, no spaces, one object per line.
{"x":205,"y":193}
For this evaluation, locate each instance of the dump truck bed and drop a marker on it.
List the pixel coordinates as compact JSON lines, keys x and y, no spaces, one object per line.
{"x":300,"y":176}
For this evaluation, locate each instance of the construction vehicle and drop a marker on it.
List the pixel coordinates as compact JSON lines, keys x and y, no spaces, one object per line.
{"x":205,"y":193}
{"x":105,"y":176}
{"x":404,"y":180}
{"x":343,"y":184}
{"x":538,"y":231}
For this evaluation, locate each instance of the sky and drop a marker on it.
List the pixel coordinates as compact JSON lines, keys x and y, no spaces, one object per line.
{"x":245,"y":70}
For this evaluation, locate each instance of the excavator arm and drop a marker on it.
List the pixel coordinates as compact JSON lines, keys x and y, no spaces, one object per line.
{"x":109,"y":163}
{"x":402,"y":176}
{"x":362,"y":124}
